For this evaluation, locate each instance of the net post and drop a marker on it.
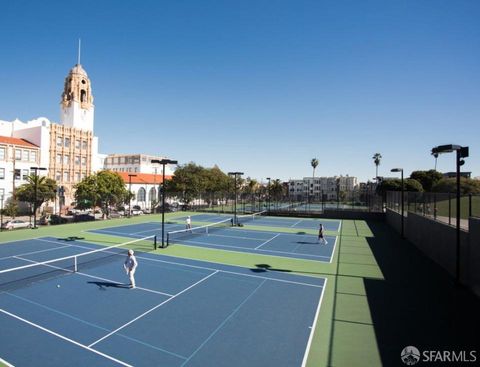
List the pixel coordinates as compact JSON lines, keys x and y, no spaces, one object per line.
{"x":155,"y":242}
{"x":75,"y":265}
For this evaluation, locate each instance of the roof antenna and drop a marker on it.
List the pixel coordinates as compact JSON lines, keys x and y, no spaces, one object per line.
{"x":79,"y":49}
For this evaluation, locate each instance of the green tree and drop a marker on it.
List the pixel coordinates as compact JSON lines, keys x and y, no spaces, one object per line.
{"x":45,"y":190}
{"x":277,"y":190}
{"x":467,"y":185}
{"x":10,"y":208}
{"x":216,"y":184}
{"x":377,"y":157}
{"x":427,"y":178}
{"x":105,"y":189}
{"x":395,"y":184}
{"x":188,"y":182}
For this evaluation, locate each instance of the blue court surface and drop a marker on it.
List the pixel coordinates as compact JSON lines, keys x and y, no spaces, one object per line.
{"x":294,"y":245}
{"x":182,"y":313}
{"x":271,"y":221}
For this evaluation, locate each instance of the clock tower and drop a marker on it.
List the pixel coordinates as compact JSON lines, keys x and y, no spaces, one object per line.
{"x":77,"y":100}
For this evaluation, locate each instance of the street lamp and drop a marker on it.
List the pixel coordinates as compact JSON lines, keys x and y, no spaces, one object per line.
{"x":401,"y":170}
{"x":163,"y":162}
{"x":462,"y":152}
{"x":235,"y":174}
{"x":1,"y":212}
{"x":35,"y":183}
{"x":268,"y":190}
{"x":130,"y":194}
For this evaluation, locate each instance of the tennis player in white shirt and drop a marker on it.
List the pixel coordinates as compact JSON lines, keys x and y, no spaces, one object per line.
{"x":130,"y":266}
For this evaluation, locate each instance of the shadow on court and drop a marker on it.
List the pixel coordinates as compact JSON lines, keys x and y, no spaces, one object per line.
{"x":73,"y":238}
{"x":104,"y":285}
{"x":416,"y":304}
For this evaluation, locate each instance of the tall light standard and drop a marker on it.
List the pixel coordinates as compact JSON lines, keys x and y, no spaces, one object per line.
{"x":35,"y":185}
{"x":1,"y":213}
{"x":401,"y":170}
{"x":163,"y":162}
{"x":130,"y":194}
{"x":268,"y":191}
{"x":235,"y":174}
{"x":462,"y":152}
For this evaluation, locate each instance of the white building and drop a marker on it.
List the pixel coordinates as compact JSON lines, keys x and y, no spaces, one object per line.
{"x":17,"y":156}
{"x":136,"y":163}
{"x":69,"y":150}
{"x":315,"y":187}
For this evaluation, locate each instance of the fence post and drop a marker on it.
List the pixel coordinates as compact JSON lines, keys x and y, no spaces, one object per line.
{"x":469,"y":205}
{"x":449,"y":208}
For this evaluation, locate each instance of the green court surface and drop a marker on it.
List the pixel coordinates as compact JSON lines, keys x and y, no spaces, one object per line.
{"x":382,"y":294}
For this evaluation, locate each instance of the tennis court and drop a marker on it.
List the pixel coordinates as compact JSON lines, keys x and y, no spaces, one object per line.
{"x":260,"y":219}
{"x":183,"y":312}
{"x":221,"y":235}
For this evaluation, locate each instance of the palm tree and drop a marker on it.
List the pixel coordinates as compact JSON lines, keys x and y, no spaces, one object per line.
{"x":435,"y":155}
{"x":376,"y":159}
{"x":314,"y":164}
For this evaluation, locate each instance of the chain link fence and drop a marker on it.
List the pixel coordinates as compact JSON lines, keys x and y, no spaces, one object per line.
{"x":438,"y":206}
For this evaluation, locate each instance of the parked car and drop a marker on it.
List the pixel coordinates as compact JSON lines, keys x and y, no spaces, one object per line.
{"x":83,"y":218}
{"x":52,"y":219}
{"x":15,"y":224}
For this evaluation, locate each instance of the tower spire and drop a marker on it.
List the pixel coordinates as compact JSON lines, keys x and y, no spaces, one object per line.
{"x":79,"y":50}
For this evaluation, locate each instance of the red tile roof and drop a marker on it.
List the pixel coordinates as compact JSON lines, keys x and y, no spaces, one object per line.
{"x":143,"y":178}
{"x":16,"y":141}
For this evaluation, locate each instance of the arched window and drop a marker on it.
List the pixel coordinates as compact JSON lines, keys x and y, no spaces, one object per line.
{"x":141,"y":194}
{"x":83,"y":96}
{"x":152,"y":195}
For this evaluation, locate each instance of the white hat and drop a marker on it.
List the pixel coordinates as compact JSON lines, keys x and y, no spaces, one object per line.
{"x":130,"y":252}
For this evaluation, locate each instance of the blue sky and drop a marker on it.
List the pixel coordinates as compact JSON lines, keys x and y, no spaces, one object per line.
{"x":258,"y":86}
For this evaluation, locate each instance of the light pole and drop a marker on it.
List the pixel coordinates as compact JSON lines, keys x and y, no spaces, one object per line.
{"x":462,"y":152}
{"x":163,"y":162}
{"x":401,"y":171}
{"x":130,"y":194}
{"x":268,"y":190}
{"x":1,"y":213}
{"x":35,"y":184}
{"x":235,"y":174}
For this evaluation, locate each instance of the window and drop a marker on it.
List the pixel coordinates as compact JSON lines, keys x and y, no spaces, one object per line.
{"x":84,"y":175}
{"x":58,"y":176}
{"x":77,"y":177}
{"x":84,"y":144}
{"x":77,"y":144}
{"x":2,"y":154}
{"x":18,"y":154}
{"x":2,"y":193}
{"x":67,"y":142}
{"x":66,"y":159}
{"x":17,"y":174}
{"x":141,"y":194}
{"x":122,"y":160}
{"x":84,"y":161}
{"x":2,"y":173}
{"x":59,"y":158}
{"x":77,"y":160}
{"x":25,"y":155}
{"x":59,"y":141}
{"x":33,"y":156}
{"x":25,"y":173}
{"x":66,"y":176}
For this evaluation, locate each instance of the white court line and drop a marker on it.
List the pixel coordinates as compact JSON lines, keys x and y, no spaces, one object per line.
{"x":6,"y":363}
{"x":92,"y":276}
{"x":271,"y":239}
{"x":236,"y":237}
{"x":34,"y":252}
{"x":310,"y":339}
{"x":333,"y":249}
{"x":236,"y":273}
{"x":294,"y":224}
{"x":65,"y":338}
{"x":152,"y":309}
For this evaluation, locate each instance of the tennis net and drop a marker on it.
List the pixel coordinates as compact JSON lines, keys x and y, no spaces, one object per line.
{"x":34,"y":271}
{"x":250,"y":217}
{"x":184,"y":234}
